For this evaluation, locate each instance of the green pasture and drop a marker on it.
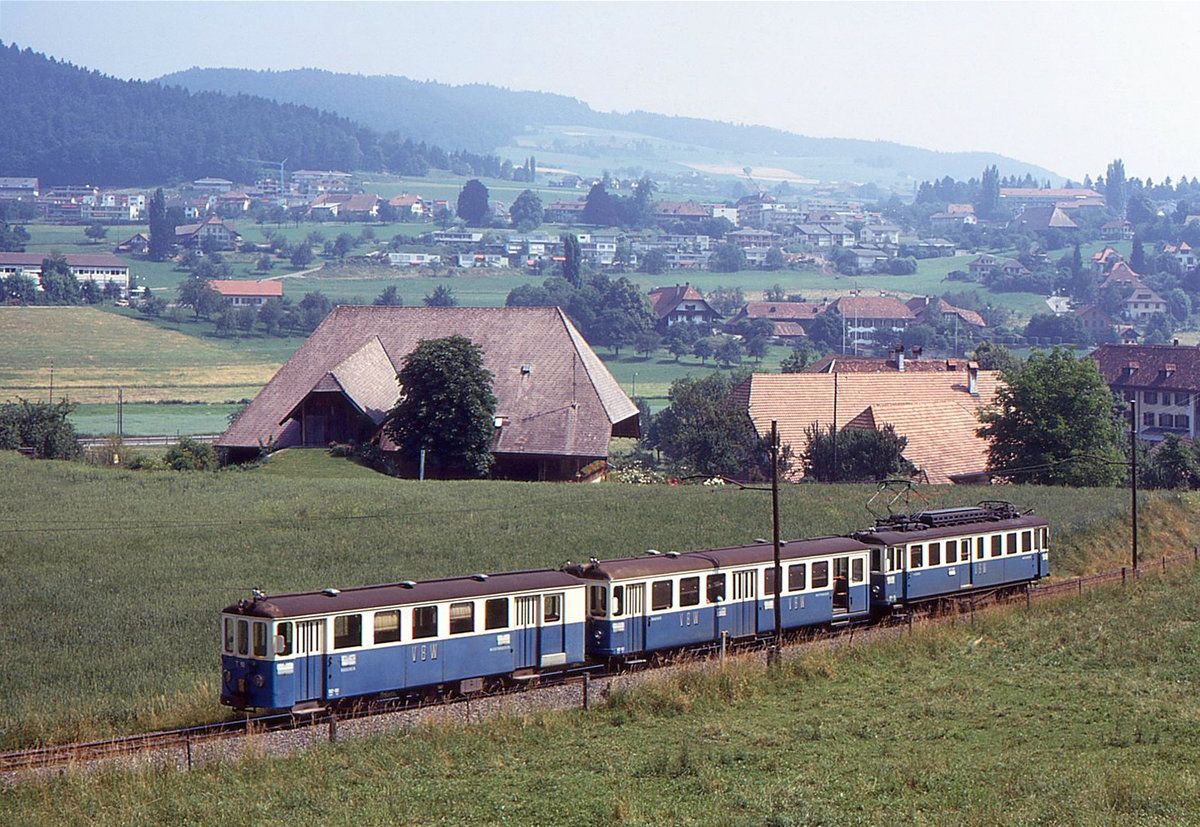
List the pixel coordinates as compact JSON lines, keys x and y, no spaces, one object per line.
{"x":154,"y":419}
{"x":113,"y":592}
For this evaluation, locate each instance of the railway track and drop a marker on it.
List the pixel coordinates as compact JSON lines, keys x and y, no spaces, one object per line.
{"x":182,"y":743}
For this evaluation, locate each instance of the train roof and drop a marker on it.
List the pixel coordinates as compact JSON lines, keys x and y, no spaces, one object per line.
{"x":885,"y":535}
{"x":336,"y":601}
{"x":657,"y":565}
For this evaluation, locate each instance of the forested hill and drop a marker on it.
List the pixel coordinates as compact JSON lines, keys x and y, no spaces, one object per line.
{"x":65,"y":124}
{"x":485,"y":118}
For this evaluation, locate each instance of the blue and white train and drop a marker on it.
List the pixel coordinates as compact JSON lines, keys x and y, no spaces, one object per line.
{"x":308,"y":650}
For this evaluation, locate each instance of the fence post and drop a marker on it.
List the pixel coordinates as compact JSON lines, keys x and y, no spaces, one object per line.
{"x":1028,"y":598}
{"x":332,"y":727}
{"x":189,"y":751}
{"x":723,"y":636}
{"x":1079,"y":580}
{"x":910,"y":624}
{"x":1122,"y":575}
{"x":587,"y":679}
{"x":1164,"y":562}
{"x":1196,"y":552}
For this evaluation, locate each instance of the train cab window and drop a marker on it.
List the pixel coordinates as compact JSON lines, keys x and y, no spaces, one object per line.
{"x":716,"y":588}
{"x":618,"y":601}
{"x":689,"y":591}
{"x":424,"y":620}
{"x":769,"y":581}
{"x":916,"y":557}
{"x":387,"y":626}
{"x":1012,"y":543}
{"x":1026,"y":541}
{"x":935,"y":554}
{"x":1045,"y":538}
{"x":876,"y":559}
{"x":978,"y":548}
{"x":597,"y":601}
{"x":347,"y":631}
{"x":856,"y":570}
{"x":462,"y":618}
{"x":230,"y":625}
{"x":283,"y":638}
{"x":797,"y":577}
{"x":895,"y":558}
{"x":495,"y":613}
{"x":660,"y":595}
{"x":952,"y":551}
{"x":820,"y":574}
{"x":552,"y":608}
{"x":997,"y":545}
{"x":243,"y":637}
{"x":260,"y":640}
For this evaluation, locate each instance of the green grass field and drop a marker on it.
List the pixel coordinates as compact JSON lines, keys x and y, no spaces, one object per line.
{"x":115,"y":578}
{"x":153,"y":419}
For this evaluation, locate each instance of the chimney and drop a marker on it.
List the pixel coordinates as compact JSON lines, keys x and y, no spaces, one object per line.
{"x":973,"y":378}
{"x":900,"y":358}
{"x":916,"y":351}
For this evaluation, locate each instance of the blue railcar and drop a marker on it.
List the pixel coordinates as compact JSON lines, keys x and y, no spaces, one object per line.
{"x":666,"y":601}
{"x":938,"y":554}
{"x":293,"y":650}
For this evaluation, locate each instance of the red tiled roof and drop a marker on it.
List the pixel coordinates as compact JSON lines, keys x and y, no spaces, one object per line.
{"x":246,"y":287}
{"x":681,"y":209}
{"x":1174,"y":367}
{"x":785,"y":311}
{"x":666,"y":299}
{"x":873,"y":307}
{"x":836,"y":363}
{"x":404,"y":200}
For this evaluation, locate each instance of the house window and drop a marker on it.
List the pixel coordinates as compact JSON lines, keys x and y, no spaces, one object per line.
{"x":1148,"y":420}
{"x":1166,"y":420}
{"x":1150,"y":397}
{"x":1128,"y":396}
{"x":1183,"y":421}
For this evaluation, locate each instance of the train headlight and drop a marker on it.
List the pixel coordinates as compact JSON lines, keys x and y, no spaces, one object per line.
{"x":259,"y":681}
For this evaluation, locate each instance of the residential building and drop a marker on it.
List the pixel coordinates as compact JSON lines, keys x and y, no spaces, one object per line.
{"x":1117,"y":230}
{"x":684,"y":212}
{"x":563,"y":212}
{"x":1098,"y":324}
{"x":212,"y":185}
{"x":213,"y":234}
{"x":313,"y":182}
{"x":1183,"y":254}
{"x":1163,"y":380}
{"x":247,"y":293}
{"x":1143,"y":303}
{"x":1041,"y":218}
{"x":872,"y":320}
{"x":413,"y":259}
{"x":557,"y":406}
{"x":936,"y":312}
{"x":457,"y":238}
{"x":408,"y":206}
{"x":101,"y":268}
{"x":18,"y":188}
{"x":1014,"y":198}
{"x":682,"y":304}
{"x":790,"y":319}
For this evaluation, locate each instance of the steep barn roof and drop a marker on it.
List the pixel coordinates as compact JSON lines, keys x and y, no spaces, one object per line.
{"x":554,"y":394}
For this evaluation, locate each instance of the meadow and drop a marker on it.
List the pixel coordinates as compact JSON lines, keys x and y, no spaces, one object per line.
{"x":115,"y":578}
{"x":1078,"y":711}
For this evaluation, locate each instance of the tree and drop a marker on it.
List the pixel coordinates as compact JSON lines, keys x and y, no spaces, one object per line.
{"x":730,"y":352}
{"x":473,"y":203}
{"x":526,"y":211}
{"x":195,"y":292}
{"x":599,"y":209}
{"x":703,"y":349}
{"x":826,"y":331}
{"x":43,"y":426}
{"x":1137,"y":256}
{"x":863,"y":454}
{"x":89,"y":293}
{"x":390,"y":297}
{"x":1173,"y":464}
{"x":989,"y":198}
{"x":96,"y":232}
{"x":59,"y":285}
{"x":264,"y":264}
{"x":162,"y":233}
{"x":1066,"y":328}
{"x":774,"y":259}
{"x":302,"y":255}
{"x":654,"y":262}
{"x":571,"y":258}
{"x":728,"y":258}
{"x":726,"y":300}
{"x":314,"y":307}
{"x":702,"y":432}
{"x":1053,"y":423}
{"x":646,"y":342}
{"x":681,"y":337}
{"x":270,"y":315}
{"x":442,"y":296}
{"x":1115,"y":188}
{"x":991,"y":356}
{"x":190,"y":455}
{"x":446,"y":408}
{"x":796,"y":361}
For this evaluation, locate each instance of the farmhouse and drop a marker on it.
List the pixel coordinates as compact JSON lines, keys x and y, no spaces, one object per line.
{"x":247,"y":293}
{"x":1164,"y":381}
{"x":213,"y":233}
{"x":557,"y":404}
{"x":102,"y":268}
{"x":682,"y":304}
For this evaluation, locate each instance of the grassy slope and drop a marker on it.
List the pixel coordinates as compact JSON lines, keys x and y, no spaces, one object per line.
{"x":114,"y":590}
{"x":1081,"y":711}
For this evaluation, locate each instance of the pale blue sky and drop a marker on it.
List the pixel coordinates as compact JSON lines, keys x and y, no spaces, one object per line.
{"x":1068,"y":86}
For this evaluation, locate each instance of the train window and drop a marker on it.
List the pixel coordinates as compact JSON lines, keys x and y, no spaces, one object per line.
{"x":424,"y":620}
{"x":797,"y":577}
{"x":1045,"y":538}
{"x":229,"y":627}
{"x":916,"y":557}
{"x":716,"y":588}
{"x":856,"y":570}
{"x":952,"y":551}
{"x":895,"y":557}
{"x":935,"y":554}
{"x":260,"y":640}
{"x":1012,"y":543}
{"x":997,"y":545}
{"x":462,"y":618}
{"x":689,"y":591}
{"x":876,"y":559}
{"x":618,"y":600}
{"x":820,"y":574}
{"x":597,"y":601}
{"x":495,"y":613}
{"x":978,"y":548}
{"x":243,"y":637}
{"x":283,"y":638}
{"x":347,"y":631}
{"x":1026,"y":541}
{"x":387,"y":627}
{"x":660,"y":595}
{"x":552,"y":608}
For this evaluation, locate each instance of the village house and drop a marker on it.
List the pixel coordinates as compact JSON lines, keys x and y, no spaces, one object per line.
{"x":557,"y":405}
{"x":408,"y":206}
{"x":246,"y":292}
{"x":1098,"y":324}
{"x":1116,"y":230}
{"x":213,"y":234}
{"x":937,"y":312}
{"x":1183,"y":254}
{"x":101,"y":268}
{"x":684,"y":212}
{"x":563,"y":212}
{"x":1163,"y":380}
{"x":682,"y":304}
{"x":872,"y":320}
{"x":362,"y":206}
{"x":789,"y":319}
{"x":1103,"y":261}
{"x":1041,"y":218}
{"x":1016,"y":198}
{"x":310,"y":182}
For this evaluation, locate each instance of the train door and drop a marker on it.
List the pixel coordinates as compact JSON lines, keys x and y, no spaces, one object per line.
{"x":310,"y":660}
{"x":635,"y":610}
{"x":841,"y":585}
{"x":525,"y":635}
{"x":552,"y":649}
{"x":745,"y":603}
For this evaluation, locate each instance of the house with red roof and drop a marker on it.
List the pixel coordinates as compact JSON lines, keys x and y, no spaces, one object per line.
{"x":872,"y":320}
{"x":789,"y":319}
{"x":682,"y":304}
{"x":408,"y":205}
{"x":213,"y":234}
{"x":247,"y":293}
{"x":1163,"y":380}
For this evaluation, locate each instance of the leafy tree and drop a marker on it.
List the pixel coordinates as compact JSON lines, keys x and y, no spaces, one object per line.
{"x":728,"y":258}
{"x":730,"y":352}
{"x":16,"y":288}
{"x":302,"y":255}
{"x":96,"y":232}
{"x":446,"y":408}
{"x":342,"y":245}
{"x":473,"y":203}
{"x":43,"y":426}
{"x":774,"y":260}
{"x":681,"y":337}
{"x":863,"y":454}
{"x":270,"y":315}
{"x":702,"y":432}
{"x":12,"y":239}
{"x":162,"y":230}
{"x":1053,"y":423}
{"x":195,"y":292}
{"x":991,"y":356}
{"x":190,"y":455}
{"x":264,"y":264}
{"x":1173,"y":464}
{"x":703,"y":349}
{"x":646,"y":342}
{"x":600,"y":208}
{"x":390,"y":297}
{"x":526,"y":211}
{"x":1065,"y":328}
{"x":654,"y":262}
{"x":571,"y":258}
{"x":775,"y":293}
{"x":59,"y":285}
{"x":989,"y":197}
{"x":796,"y":361}
{"x":826,"y":331}
{"x":902,"y":266}
{"x":442,"y":296}
{"x":726,"y":300}
{"x":244,"y":318}
{"x":1115,"y":187}
{"x":313,"y":308}
{"x":89,"y":293}
{"x":1137,"y":256}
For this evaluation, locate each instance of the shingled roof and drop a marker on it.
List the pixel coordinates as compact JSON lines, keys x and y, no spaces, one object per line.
{"x":554,"y":394}
{"x":937,"y":408}
{"x":1173,"y":367}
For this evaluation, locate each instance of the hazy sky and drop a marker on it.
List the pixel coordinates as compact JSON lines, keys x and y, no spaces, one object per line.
{"x":1069,"y":86}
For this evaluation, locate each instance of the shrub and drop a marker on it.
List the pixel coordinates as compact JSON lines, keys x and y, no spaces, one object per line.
{"x":190,"y":455}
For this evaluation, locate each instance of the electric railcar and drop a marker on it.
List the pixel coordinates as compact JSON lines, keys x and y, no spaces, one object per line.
{"x":309,"y":649}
